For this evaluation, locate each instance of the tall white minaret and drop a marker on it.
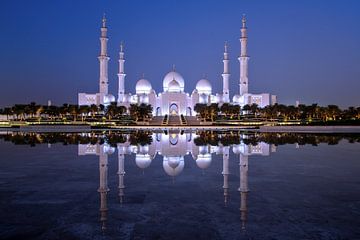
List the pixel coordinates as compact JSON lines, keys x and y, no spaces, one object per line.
{"x":226,"y":75}
{"x":244,"y":59}
{"x":243,"y":189}
{"x":103,"y":59}
{"x":121,"y":75}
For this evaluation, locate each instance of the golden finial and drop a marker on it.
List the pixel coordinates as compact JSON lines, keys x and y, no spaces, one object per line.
{"x":104,"y":20}
{"x":121,"y":46}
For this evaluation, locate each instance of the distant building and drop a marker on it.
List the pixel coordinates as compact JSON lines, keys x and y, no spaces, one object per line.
{"x":174,"y":100}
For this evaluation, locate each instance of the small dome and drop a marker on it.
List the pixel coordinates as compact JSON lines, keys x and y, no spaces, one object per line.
{"x":173,"y":166}
{"x":236,"y":98}
{"x":143,"y":160}
{"x":171,"y":76}
{"x":203,"y":161}
{"x":174,"y":86}
{"x":143,"y":86}
{"x":204,"y":86}
{"x":108,"y":98}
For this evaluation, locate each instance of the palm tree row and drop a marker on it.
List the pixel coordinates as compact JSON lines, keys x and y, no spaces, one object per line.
{"x":276,"y":112}
{"x":72,"y":112}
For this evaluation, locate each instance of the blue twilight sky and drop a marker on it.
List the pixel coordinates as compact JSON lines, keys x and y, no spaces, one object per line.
{"x":305,"y":50}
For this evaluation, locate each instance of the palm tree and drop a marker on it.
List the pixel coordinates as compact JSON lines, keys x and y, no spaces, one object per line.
{"x":213,"y":111}
{"x":111,"y":110}
{"x":145,"y":111}
{"x":7,"y":111}
{"x":200,"y":109}
{"x":134,"y":111}
{"x":225,"y":109}
{"x":74,"y":110}
{"x":93,"y":109}
{"x":84,"y":110}
{"x":254,"y":108}
{"x":334,"y":111}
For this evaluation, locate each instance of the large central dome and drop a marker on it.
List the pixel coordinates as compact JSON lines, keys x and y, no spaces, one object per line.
{"x":170,"y":77}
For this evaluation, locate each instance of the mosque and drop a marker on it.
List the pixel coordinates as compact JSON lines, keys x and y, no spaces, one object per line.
{"x":174,"y":100}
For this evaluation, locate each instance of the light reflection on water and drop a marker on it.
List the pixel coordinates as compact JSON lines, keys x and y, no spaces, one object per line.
{"x":174,"y":153}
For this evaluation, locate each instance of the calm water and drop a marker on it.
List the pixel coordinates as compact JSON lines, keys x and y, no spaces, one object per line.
{"x":179,"y":186}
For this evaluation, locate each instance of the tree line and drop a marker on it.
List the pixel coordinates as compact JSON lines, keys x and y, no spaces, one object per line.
{"x":73,"y":112}
{"x":313,"y":112}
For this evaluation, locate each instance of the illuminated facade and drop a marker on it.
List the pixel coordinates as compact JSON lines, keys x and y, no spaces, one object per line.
{"x":173,"y":100}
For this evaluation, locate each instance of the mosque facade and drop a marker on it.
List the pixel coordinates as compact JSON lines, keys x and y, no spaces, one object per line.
{"x":173,"y":100}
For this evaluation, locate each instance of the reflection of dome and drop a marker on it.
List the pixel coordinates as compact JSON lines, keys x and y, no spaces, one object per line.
{"x":143,"y":160}
{"x":173,"y":166}
{"x":174,"y":86}
{"x":236,"y":98}
{"x":143,"y":86}
{"x":143,"y":149}
{"x":203,"y":161}
{"x":236,"y":149}
{"x":108,"y":98}
{"x":203,"y":86}
{"x":171,"y":76}
{"x":203,"y":149}
{"x":108,"y":149}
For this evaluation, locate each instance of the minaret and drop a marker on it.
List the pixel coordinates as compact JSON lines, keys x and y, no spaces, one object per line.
{"x":103,"y":187}
{"x":121,"y":75}
{"x":243,"y":189}
{"x":225,"y":173}
{"x":226,"y":75}
{"x":244,"y":59}
{"x":103,"y":59}
{"x":121,"y":173}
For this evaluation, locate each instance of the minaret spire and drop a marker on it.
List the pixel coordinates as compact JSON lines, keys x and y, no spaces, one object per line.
{"x":103,"y":60}
{"x":104,"y":20}
{"x":243,"y":59}
{"x":121,"y":75}
{"x":226,"y":75}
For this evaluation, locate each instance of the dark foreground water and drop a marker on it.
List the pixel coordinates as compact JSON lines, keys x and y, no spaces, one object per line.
{"x":158,"y":191}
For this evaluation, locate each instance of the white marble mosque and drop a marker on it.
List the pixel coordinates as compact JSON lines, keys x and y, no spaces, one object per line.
{"x":173,"y":100}
{"x":172,"y":148}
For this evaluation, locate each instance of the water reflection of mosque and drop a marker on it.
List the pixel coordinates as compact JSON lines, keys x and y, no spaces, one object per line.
{"x":173,"y":147}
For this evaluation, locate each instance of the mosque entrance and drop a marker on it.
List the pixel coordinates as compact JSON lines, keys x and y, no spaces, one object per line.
{"x":174,"y":109}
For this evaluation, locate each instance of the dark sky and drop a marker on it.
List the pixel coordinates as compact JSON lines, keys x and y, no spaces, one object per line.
{"x":305,"y":50}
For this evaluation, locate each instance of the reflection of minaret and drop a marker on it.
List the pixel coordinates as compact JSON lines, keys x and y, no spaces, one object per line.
{"x":103,"y":187}
{"x":121,"y":173}
{"x":225,"y":173}
{"x":243,"y":188}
